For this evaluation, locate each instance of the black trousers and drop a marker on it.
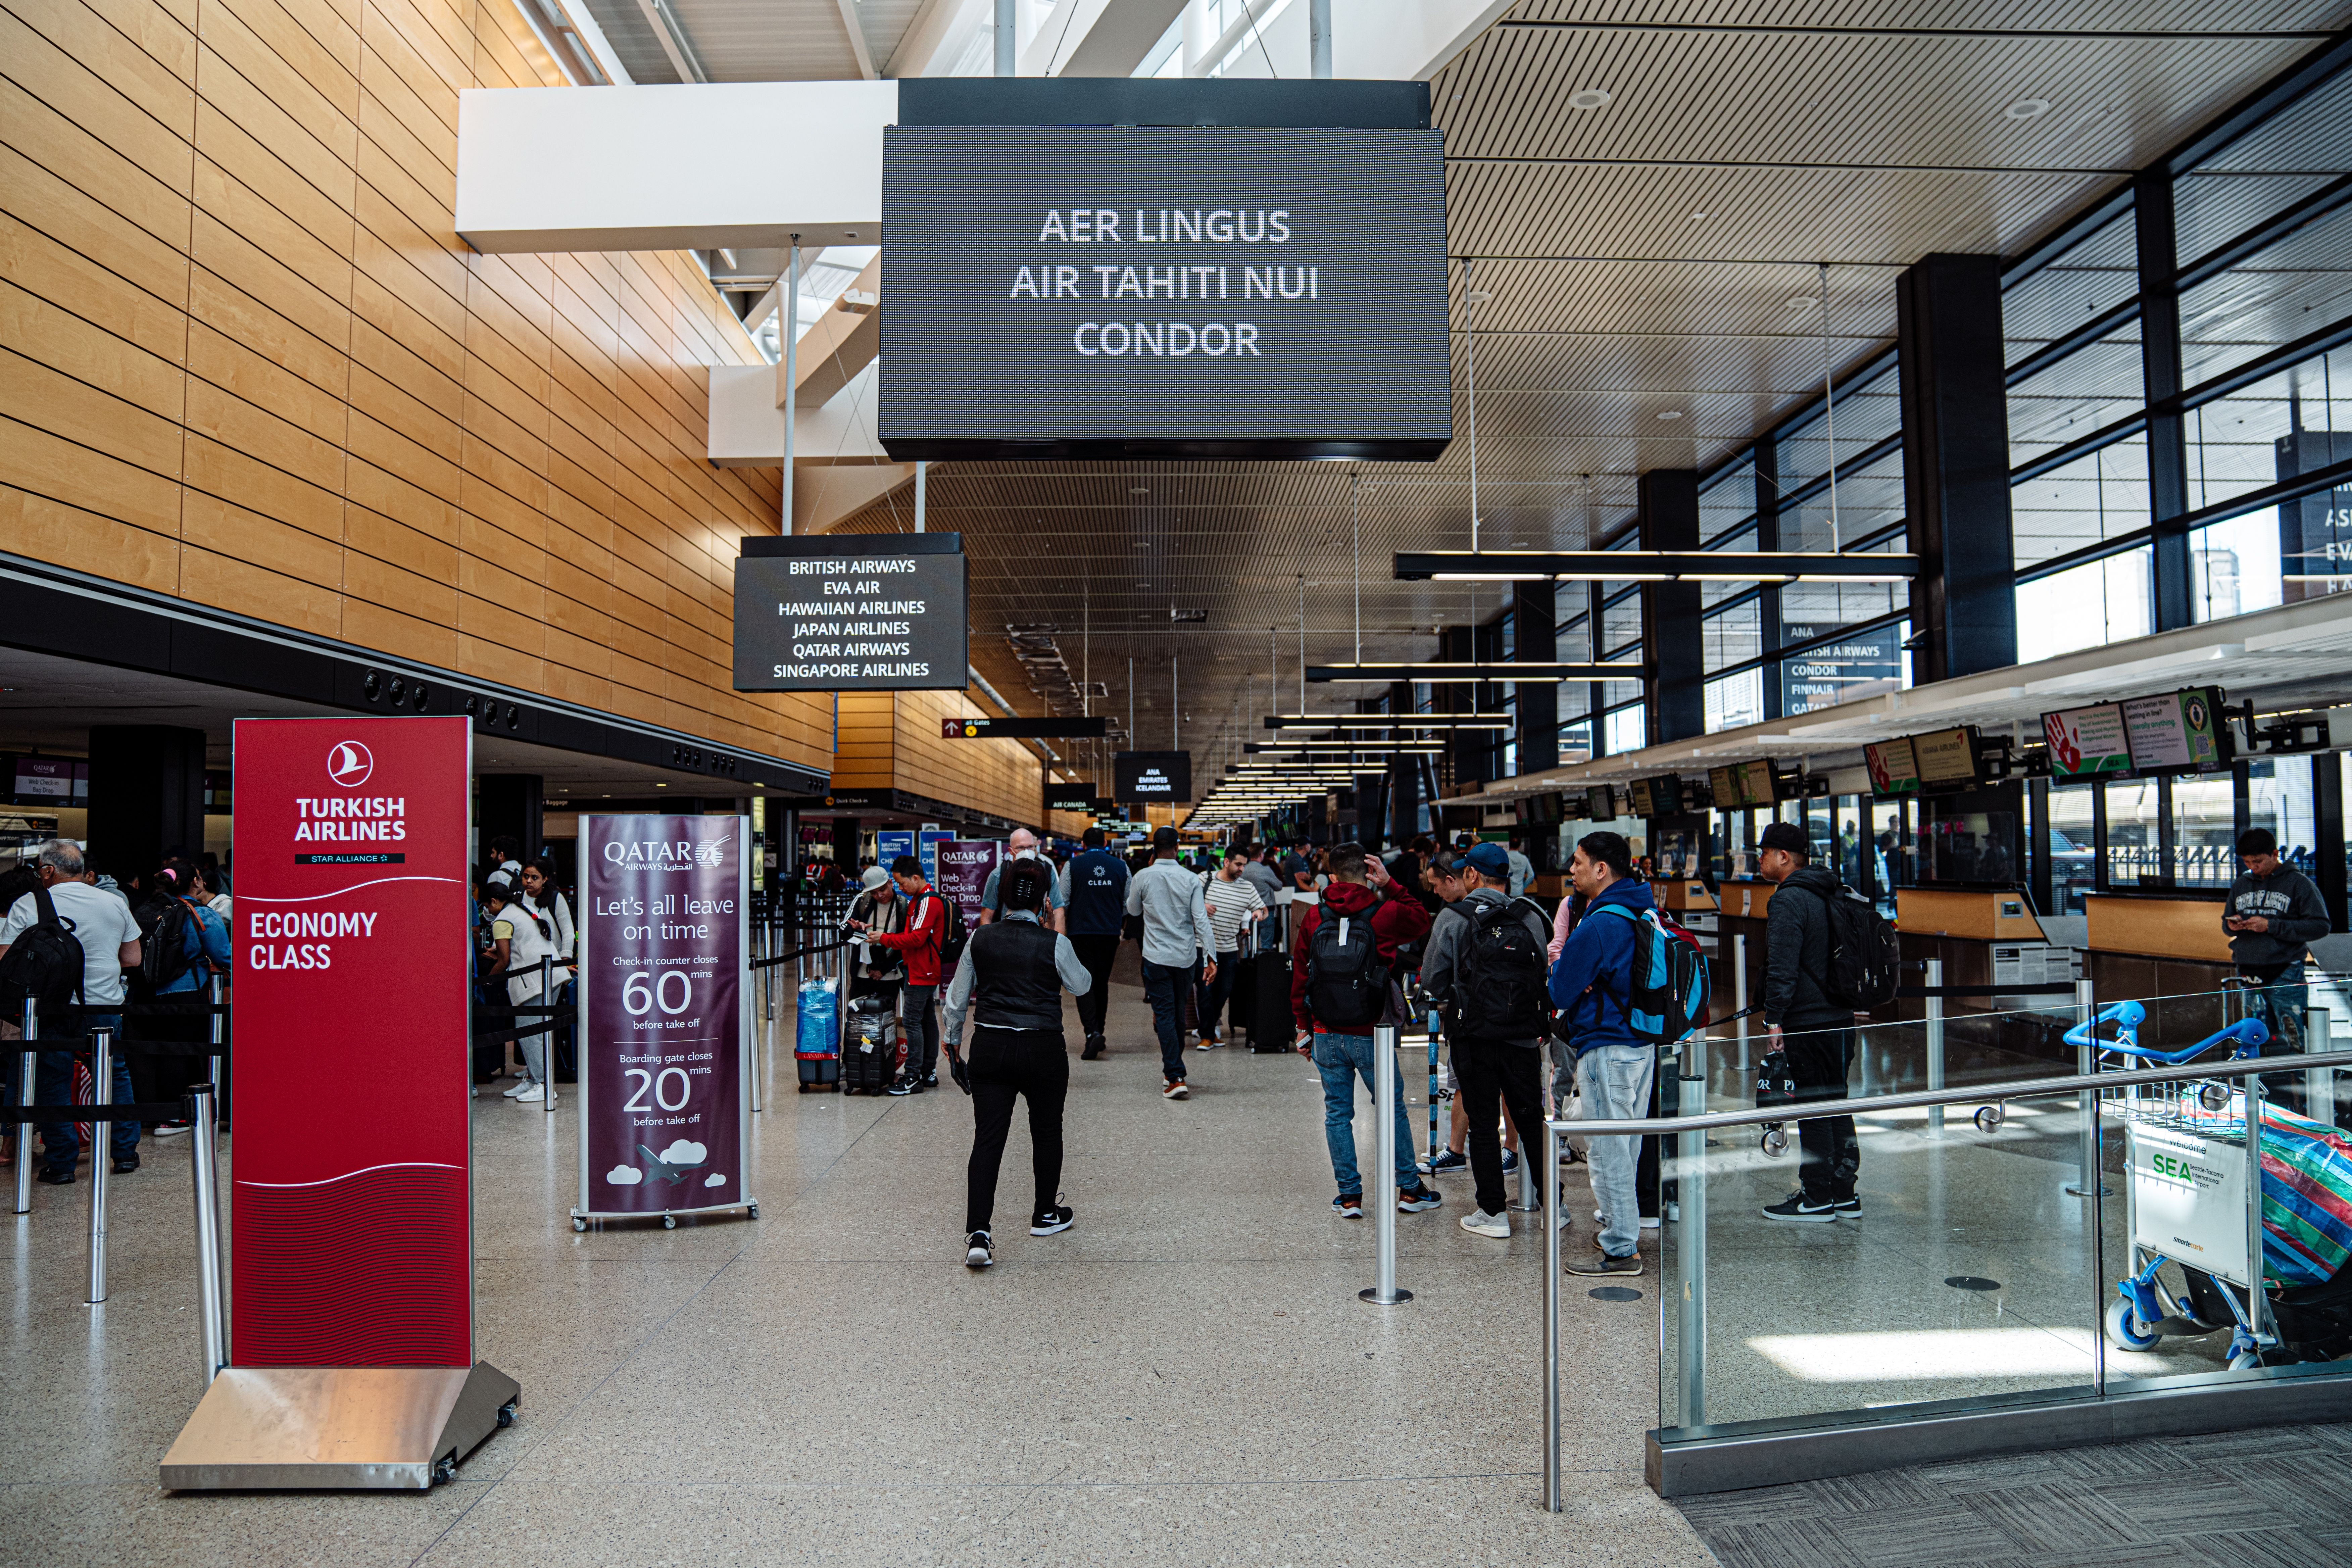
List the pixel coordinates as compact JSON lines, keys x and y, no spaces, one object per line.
{"x":1489,"y":1070}
{"x":1098,"y":953}
{"x":1035,"y":1063}
{"x":1830,"y":1153}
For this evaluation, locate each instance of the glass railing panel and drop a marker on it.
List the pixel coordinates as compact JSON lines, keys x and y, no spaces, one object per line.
{"x":1960,"y":1270}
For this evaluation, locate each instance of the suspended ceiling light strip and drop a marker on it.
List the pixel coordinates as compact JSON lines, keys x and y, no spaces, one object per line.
{"x":1440,"y":674}
{"x":1388,"y":721}
{"x":1654,"y":566}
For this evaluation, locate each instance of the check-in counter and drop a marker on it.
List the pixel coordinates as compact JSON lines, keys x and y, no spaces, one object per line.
{"x":1740,"y":913}
{"x":1982,"y":936}
{"x":2146,"y":945}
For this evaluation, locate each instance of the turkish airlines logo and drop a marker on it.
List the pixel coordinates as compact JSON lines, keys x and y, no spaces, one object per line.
{"x":349,"y":763}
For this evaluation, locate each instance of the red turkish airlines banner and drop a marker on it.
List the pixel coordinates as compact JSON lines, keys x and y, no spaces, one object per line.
{"x":351,"y":1225}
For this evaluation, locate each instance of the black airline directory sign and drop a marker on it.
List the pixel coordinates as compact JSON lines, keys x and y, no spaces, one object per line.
{"x":1108,"y":290}
{"x":852,"y":613}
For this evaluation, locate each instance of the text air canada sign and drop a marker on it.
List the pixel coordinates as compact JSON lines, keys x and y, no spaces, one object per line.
{"x":853,"y":613}
{"x":1112,"y":290}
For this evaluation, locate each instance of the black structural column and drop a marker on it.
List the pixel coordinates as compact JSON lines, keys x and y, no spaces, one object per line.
{"x":1767,"y":596}
{"x":1537,"y":640}
{"x":513,"y":805}
{"x":1956,"y":463}
{"x":1404,"y":772}
{"x":1456,"y":644}
{"x":1670,"y":619}
{"x":2168,"y":447}
{"x":146,"y":796}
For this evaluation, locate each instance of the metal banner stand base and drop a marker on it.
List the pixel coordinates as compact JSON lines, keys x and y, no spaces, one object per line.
{"x":369,"y":1429}
{"x":1371,"y":1294}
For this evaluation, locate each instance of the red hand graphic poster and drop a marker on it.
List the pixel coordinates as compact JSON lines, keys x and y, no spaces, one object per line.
{"x":665,"y":1037}
{"x":351,"y":1225}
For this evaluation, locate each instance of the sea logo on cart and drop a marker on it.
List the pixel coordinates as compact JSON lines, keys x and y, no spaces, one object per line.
{"x":349,"y":763}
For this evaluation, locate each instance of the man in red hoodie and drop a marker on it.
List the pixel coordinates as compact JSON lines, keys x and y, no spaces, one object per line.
{"x":926,"y":923}
{"x":1341,"y":984}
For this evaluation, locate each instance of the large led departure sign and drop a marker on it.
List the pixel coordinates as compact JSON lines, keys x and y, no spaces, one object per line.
{"x":1163,"y":290}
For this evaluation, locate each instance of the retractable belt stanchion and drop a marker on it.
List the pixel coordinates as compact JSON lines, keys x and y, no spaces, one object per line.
{"x":101,"y":1162}
{"x":212,"y":1306}
{"x":1740,"y":995}
{"x":27,"y":1063}
{"x":1690,"y":1184}
{"x":2318,"y":1083}
{"x":1387,"y":1080}
{"x":1551,"y":1302}
{"x":547,"y":1033}
{"x":218,"y":1023}
{"x":1935,"y":1015}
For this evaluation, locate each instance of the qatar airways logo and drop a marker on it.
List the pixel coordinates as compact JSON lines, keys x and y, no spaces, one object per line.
{"x":666,"y":855}
{"x":349,"y":763}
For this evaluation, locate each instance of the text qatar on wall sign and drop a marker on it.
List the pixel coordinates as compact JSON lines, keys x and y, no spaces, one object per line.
{"x":1120,"y":291}
{"x":855,"y":613}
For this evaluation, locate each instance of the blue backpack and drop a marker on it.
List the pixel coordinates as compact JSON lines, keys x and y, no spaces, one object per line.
{"x":1666,"y":985}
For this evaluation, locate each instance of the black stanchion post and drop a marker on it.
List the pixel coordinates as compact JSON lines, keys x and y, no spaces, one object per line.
{"x":102,"y":1137}
{"x":28,"y":1064}
{"x":547,"y":1032}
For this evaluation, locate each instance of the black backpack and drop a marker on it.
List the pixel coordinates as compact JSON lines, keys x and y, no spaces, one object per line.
{"x":44,"y":964}
{"x":1863,"y":951}
{"x":164,"y":953}
{"x":1499,"y":981}
{"x":952,"y":934}
{"x":1347,"y":984}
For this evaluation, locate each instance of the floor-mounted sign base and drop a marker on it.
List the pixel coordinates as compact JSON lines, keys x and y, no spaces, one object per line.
{"x":380,"y":1428}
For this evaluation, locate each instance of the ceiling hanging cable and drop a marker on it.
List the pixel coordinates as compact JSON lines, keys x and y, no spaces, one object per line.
{"x":1302,"y":642}
{"x":1828,"y":402}
{"x":1356,"y":555}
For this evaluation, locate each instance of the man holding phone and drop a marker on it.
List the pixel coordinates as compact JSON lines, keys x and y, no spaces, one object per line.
{"x":2273,"y":913}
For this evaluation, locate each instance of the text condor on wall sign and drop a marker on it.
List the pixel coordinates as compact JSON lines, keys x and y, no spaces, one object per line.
{"x":853,"y":613}
{"x":1136,"y":290}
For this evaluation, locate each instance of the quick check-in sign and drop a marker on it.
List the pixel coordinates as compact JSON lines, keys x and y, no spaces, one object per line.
{"x":1108,"y":290}
{"x":853,"y":613}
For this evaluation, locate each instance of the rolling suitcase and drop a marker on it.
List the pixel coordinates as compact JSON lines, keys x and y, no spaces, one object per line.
{"x":817,"y":1038}
{"x":1270,"y":1023}
{"x":1240,"y":1002}
{"x":869,"y":1047}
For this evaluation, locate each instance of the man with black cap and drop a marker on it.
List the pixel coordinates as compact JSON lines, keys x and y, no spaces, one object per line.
{"x":1813,"y":1031}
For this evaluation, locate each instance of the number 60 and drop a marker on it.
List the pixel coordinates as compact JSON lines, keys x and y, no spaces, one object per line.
{"x":641,"y":995}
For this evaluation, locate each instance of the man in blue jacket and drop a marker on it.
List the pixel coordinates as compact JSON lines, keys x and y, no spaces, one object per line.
{"x":1592,"y":983}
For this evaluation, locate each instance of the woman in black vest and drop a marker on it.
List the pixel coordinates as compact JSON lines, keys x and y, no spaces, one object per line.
{"x":1011,"y":978}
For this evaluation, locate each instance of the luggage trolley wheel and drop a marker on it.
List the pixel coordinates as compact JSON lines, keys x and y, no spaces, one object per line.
{"x":507,"y":1413}
{"x":579,"y":1224}
{"x":2246,"y":1359}
{"x":2118,"y":1326}
{"x":752,"y":1210}
{"x":670,"y":1222}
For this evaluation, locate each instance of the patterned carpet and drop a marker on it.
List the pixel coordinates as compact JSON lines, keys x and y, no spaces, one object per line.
{"x":2278,"y":1497}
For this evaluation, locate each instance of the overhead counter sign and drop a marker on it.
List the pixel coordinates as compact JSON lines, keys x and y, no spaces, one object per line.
{"x":1103,"y":290}
{"x":852,"y":613}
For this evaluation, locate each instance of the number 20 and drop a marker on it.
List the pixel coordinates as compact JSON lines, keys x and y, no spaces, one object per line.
{"x":660,"y":1085}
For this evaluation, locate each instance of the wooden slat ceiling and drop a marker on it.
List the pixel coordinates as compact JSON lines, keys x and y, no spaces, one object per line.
{"x":1659,"y":255}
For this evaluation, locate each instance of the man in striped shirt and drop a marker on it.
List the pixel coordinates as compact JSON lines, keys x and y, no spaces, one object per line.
{"x":1234,"y":907}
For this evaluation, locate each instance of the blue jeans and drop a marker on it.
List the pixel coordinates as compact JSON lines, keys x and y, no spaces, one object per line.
{"x":53,"y":1085}
{"x":1165,"y":985}
{"x":1342,"y":1060}
{"x":1615,"y":1083}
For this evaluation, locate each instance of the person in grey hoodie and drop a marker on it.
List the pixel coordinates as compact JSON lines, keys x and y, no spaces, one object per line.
{"x":1495,"y":1071}
{"x":2273,"y":914}
{"x":1180,"y":949}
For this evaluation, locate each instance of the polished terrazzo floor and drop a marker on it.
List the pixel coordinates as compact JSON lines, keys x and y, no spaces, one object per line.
{"x":1185,"y":1376}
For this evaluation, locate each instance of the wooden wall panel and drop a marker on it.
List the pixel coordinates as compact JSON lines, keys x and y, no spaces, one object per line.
{"x":245,"y":359}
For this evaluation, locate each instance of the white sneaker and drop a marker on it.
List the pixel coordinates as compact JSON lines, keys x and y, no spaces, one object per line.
{"x":1479,"y":1222}
{"x":1650,"y":1223}
{"x":515,"y":1089}
{"x":532,"y":1095}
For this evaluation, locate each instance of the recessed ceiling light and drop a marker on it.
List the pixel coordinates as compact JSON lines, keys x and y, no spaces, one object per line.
{"x":2027,"y":109}
{"x":1670,"y":413}
{"x":851,"y":232}
{"x":1143,"y":544}
{"x":1804,"y":301}
{"x":1698,"y":217}
{"x":1140,"y":491}
{"x":1588,"y":98}
{"x":1479,"y":297}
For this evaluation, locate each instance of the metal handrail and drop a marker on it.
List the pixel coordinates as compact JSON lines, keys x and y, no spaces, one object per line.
{"x":2021,"y":1089}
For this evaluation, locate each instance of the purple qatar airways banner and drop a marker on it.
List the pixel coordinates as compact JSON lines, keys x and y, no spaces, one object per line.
{"x":965,"y":866}
{"x":664,"y":1033}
